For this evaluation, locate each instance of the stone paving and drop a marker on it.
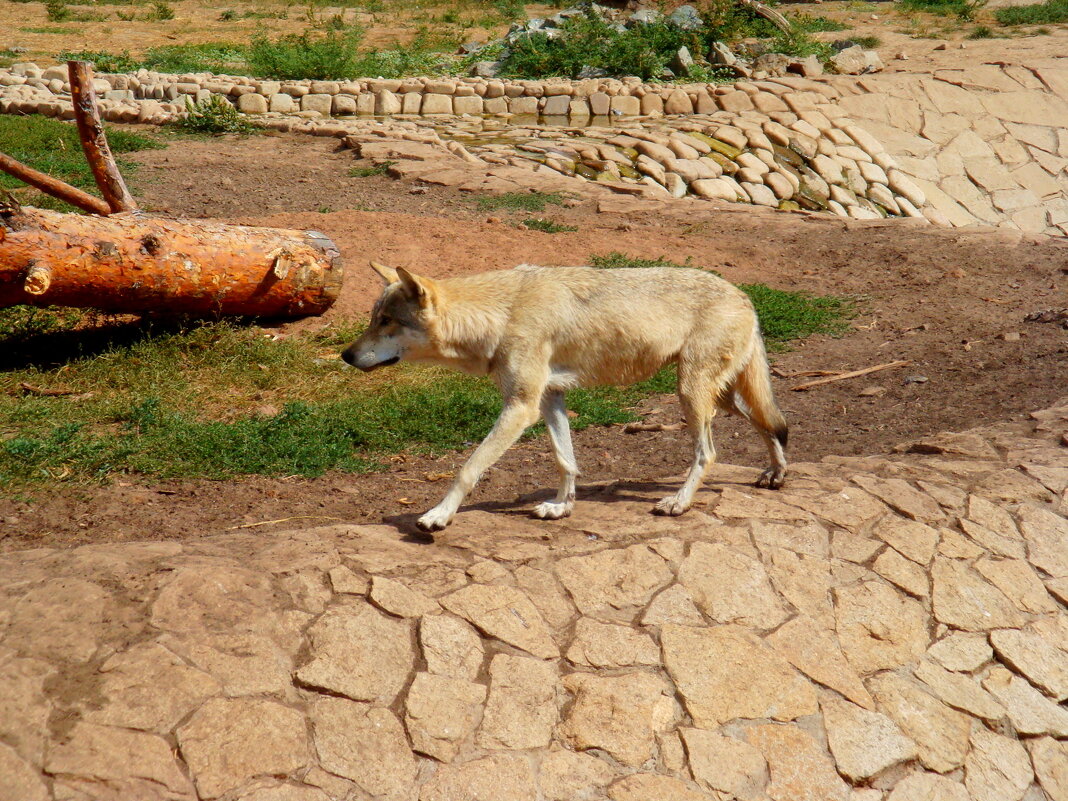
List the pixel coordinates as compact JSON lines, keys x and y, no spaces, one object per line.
{"x":986,"y":145}
{"x":889,"y":628}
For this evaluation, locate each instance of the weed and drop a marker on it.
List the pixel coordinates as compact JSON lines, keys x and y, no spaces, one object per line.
{"x":510,"y":10}
{"x":1052,"y":11}
{"x":126,"y":17}
{"x":161,"y":11}
{"x":229,"y":15}
{"x":981,"y":32}
{"x":57,"y":11}
{"x":19,"y":323}
{"x":367,"y":172}
{"x":548,"y":226}
{"x":798,"y":43}
{"x":45,"y":29}
{"x":214,"y":115}
{"x":867,"y":42}
{"x":325,"y":209}
{"x":521,"y":201}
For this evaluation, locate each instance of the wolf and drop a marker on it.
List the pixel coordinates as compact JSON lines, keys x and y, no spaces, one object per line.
{"x":540,"y":331}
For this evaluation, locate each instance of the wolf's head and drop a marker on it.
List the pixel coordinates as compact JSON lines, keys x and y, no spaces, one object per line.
{"x":398,"y":321}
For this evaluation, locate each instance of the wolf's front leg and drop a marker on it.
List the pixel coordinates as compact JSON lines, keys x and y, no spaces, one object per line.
{"x":515,"y":418}
{"x":555,"y":413}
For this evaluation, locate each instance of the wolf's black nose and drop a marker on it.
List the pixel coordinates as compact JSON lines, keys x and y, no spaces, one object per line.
{"x":349,"y":356}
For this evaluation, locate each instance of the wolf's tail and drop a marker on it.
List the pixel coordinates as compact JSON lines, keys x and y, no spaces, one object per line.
{"x":753,"y":388}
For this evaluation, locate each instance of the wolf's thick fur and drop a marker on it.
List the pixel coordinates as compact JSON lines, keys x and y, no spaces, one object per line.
{"x":539,"y":331}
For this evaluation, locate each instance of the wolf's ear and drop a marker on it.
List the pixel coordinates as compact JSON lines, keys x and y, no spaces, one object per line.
{"x":387,"y":274}
{"x":417,"y":287}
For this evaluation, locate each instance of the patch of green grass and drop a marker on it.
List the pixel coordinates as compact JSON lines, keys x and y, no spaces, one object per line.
{"x":963,"y":10}
{"x":224,"y":399}
{"x":520,"y":201}
{"x":102,"y":60}
{"x":1052,"y":11}
{"x":161,"y":11}
{"x":981,"y":32}
{"x":58,"y":11}
{"x":368,"y":172}
{"x":816,"y":24}
{"x":53,"y":147}
{"x":214,"y":115}
{"x":45,"y":29}
{"x":548,"y":226}
{"x":308,"y":55}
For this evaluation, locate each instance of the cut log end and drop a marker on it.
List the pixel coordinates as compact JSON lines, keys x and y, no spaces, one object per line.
{"x":38,"y":280}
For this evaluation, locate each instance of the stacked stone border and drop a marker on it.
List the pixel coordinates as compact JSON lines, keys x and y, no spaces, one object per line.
{"x":982,"y":146}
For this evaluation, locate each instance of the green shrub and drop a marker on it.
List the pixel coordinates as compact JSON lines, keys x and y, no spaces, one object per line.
{"x":308,"y":55}
{"x":867,"y":42}
{"x":815,"y":24}
{"x":981,"y":32}
{"x":57,"y":11}
{"x":962,"y":9}
{"x":214,"y":115}
{"x":161,"y":10}
{"x":520,"y":201}
{"x":1052,"y":11}
{"x":102,"y":61}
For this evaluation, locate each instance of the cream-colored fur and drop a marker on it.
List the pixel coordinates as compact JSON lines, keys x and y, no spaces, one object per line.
{"x":539,"y":331}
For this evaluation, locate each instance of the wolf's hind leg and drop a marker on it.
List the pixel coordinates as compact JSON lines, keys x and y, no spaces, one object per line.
{"x":698,"y":397}
{"x":555,"y":414}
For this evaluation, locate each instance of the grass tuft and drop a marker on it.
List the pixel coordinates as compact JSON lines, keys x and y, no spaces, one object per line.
{"x":548,"y":226}
{"x":214,"y":115}
{"x":520,"y":201}
{"x":1050,"y":12}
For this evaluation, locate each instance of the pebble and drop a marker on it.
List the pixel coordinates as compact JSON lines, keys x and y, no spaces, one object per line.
{"x":916,"y":379}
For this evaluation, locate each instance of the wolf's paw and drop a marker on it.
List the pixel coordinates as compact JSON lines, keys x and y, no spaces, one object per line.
{"x":551,"y":510}
{"x":671,"y":505}
{"x":434,"y":520}
{"x":772,"y":478}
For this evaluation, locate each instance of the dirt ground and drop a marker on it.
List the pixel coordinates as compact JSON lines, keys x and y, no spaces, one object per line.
{"x":953,"y":303}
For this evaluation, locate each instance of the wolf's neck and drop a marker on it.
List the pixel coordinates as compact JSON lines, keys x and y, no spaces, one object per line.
{"x":469,"y":329}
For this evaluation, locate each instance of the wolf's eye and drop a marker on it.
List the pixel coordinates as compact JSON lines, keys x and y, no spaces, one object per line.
{"x":385,"y":320}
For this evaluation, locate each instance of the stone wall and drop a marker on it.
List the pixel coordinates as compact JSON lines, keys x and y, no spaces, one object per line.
{"x":881,"y":629}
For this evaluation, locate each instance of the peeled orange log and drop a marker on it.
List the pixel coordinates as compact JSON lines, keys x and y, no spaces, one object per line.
{"x":135,"y":262}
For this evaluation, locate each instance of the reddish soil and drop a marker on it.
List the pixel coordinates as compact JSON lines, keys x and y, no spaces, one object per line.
{"x":944,"y":300}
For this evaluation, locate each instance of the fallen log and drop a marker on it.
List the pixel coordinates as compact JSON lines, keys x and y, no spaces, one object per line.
{"x":135,"y":263}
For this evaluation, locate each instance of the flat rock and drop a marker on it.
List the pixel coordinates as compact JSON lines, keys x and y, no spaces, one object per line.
{"x":653,"y":786}
{"x":911,"y":539}
{"x":804,"y":581}
{"x":902,"y":572}
{"x":1029,"y":711}
{"x":962,"y":651}
{"x":1019,"y":583}
{"x":726,"y":672}
{"x":359,"y":653}
{"x":959,"y":691}
{"x":61,"y":619}
{"x":243,"y":663}
{"x":505,"y":613}
{"x":607,"y":645}
{"x":617,"y":714}
{"x":725,"y":764}
{"x":230,"y":740}
{"x":21,"y":781}
{"x":365,"y":744}
{"x":393,"y":597}
{"x":850,"y":507}
{"x":112,"y":764}
{"x":565,"y":776}
{"x":902,"y":497}
{"x":1041,"y":661}
{"x":24,"y":706}
{"x":522,"y":707}
{"x":612,"y":583}
{"x":863,"y":742}
{"x":961,"y":598}
{"x":878,"y":628}
{"x":997,"y":768}
{"x":151,"y":688}
{"x":730,"y":587}
{"x":1047,"y":539}
{"x":1050,"y":761}
{"x":799,"y":769}
{"x":547,"y":594}
{"x":992,"y":516}
{"x":925,"y":786}
{"x":441,"y":712}
{"x":940,"y":733}
{"x":814,"y":651}
{"x":500,"y":777}
{"x":673,"y":605}
{"x":451,"y":647}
